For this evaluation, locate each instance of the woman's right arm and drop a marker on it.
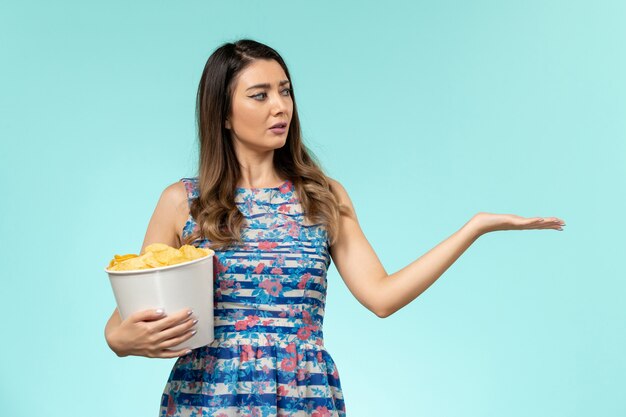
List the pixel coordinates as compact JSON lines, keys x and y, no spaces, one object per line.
{"x":148,"y":333}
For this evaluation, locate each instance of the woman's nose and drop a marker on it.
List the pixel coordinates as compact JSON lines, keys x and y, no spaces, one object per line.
{"x":279,"y":103}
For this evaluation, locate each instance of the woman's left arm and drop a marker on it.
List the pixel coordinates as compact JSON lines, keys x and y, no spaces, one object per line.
{"x":384,"y":294}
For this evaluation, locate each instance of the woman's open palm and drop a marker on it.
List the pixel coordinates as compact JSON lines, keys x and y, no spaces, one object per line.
{"x":490,"y":222}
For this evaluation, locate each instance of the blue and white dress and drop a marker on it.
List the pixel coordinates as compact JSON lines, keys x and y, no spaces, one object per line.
{"x":268,"y":358}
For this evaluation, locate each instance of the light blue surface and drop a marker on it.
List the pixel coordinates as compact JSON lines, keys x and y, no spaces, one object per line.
{"x":427,"y":112}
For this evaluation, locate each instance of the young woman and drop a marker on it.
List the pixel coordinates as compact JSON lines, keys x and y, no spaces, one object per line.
{"x":275,"y":222}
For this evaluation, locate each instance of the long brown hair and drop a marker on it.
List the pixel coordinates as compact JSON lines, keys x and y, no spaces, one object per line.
{"x":218,"y":218}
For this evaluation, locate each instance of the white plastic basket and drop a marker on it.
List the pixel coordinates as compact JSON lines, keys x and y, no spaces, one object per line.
{"x":173,"y":288}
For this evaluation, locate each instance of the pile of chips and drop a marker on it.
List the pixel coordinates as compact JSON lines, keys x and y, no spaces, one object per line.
{"x":157,"y":255}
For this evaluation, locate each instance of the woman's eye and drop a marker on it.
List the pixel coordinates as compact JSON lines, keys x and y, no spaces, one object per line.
{"x":257,"y":96}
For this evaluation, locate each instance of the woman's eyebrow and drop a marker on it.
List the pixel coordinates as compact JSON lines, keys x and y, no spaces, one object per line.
{"x":266,"y":85}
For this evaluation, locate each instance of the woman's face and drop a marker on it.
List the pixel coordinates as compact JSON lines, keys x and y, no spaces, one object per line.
{"x":256,"y":108}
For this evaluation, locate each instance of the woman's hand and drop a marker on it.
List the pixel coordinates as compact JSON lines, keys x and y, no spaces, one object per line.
{"x":491,"y":222}
{"x":148,"y":333}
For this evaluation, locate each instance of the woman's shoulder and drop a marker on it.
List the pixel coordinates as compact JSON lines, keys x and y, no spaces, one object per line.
{"x":175,"y":196}
{"x":332,"y":182}
{"x":190,"y":186}
{"x":340,"y":193}
{"x":182,"y":191}
{"x":176,"y":193}
{"x":337,"y":189}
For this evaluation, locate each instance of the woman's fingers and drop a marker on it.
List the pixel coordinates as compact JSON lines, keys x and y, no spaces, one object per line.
{"x":165,"y":352}
{"x":176,"y":340}
{"x":160,"y":347}
{"x":169,"y":321}
{"x":547,"y":223}
{"x":146,"y":315}
{"x":555,"y":221}
{"x":176,"y":330}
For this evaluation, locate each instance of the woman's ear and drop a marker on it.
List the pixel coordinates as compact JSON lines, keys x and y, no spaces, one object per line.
{"x":227,"y":124}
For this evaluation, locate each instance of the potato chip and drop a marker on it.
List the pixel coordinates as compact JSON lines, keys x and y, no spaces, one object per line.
{"x":120,"y":258}
{"x":192,"y":252}
{"x":157,"y":255}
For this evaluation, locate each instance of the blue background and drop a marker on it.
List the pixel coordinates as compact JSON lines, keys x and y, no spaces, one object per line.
{"x":427,"y":113}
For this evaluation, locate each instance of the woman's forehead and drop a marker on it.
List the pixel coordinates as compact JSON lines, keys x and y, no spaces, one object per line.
{"x":262,"y":71}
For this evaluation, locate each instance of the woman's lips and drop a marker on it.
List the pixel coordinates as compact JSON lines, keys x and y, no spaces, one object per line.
{"x":279,"y":130}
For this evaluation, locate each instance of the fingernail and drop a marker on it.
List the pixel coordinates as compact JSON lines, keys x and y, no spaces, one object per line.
{"x":159,"y":311}
{"x":190,"y":312}
{"x":194,"y":332}
{"x":194,"y":322}
{"x":187,"y":352}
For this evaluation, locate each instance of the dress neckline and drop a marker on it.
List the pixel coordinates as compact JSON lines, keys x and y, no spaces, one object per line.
{"x":258,"y":189}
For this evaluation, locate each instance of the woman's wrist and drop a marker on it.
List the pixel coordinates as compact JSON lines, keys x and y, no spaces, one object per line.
{"x":114,"y":344}
{"x":475,"y":227}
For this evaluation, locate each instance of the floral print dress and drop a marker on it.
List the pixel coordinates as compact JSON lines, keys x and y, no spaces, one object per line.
{"x":268,"y":358}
